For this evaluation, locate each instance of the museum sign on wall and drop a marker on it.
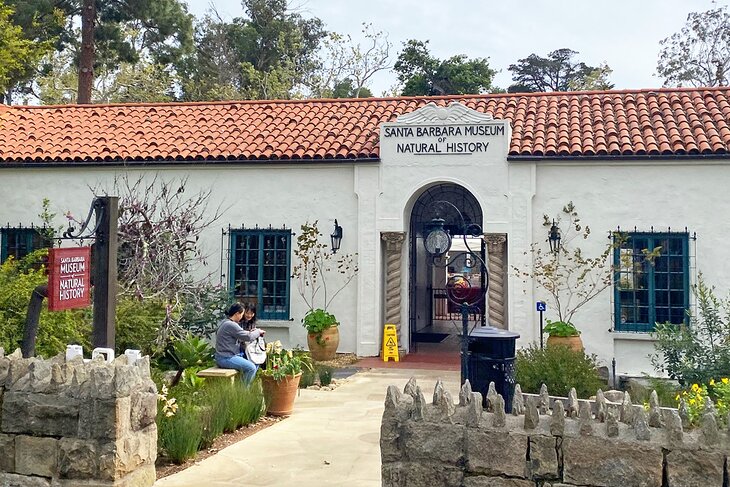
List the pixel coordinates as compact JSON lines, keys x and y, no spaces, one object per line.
{"x":444,"y":131}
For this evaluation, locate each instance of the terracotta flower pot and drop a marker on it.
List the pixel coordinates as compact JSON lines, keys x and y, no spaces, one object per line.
{"x":279,"y":395}
{"x":326,"y":347}
{"x":572,"y":342}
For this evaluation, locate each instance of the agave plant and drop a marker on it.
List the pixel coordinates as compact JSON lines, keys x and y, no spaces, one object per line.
{"x":191,"y":352}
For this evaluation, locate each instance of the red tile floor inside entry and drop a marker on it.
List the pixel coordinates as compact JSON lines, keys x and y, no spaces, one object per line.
{"x":429,"y":356}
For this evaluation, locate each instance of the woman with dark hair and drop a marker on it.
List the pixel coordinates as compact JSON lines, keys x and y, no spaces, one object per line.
{"x":227,"y":343}
{"x":248,"y":322}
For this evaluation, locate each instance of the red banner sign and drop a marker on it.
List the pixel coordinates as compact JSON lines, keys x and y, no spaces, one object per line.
{"x":69,"y":280}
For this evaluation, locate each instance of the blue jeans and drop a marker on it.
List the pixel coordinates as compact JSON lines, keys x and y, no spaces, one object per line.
{"x":239,"y":363}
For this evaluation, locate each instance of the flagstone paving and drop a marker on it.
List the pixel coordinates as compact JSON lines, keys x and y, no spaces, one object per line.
{"x":331,"y":439}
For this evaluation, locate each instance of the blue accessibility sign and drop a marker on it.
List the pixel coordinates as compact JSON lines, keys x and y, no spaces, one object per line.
{"x":541,"y":306}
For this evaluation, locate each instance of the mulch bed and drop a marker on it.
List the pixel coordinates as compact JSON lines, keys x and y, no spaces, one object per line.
{"x":165,"y":467}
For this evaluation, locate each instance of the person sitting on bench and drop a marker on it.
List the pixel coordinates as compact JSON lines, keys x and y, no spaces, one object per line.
{"x":228,"y":344}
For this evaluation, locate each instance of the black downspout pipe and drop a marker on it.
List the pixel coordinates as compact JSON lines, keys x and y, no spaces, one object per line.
{"x":31,"y":320}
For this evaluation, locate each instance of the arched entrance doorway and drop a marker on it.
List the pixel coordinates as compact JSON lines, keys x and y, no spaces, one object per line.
{"x":431,"y":317}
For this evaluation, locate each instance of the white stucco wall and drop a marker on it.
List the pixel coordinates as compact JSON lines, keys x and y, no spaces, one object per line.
{"x":370,"y":198}
{"x":662,"y":194}
{"x":256,"y":194}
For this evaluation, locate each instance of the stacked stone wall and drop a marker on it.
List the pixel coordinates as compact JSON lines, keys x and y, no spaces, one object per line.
{"x":544,"y":442}
{"x":76,"y":423}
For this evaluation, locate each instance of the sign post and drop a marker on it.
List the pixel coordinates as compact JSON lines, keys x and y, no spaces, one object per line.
{"x":541,"y":307}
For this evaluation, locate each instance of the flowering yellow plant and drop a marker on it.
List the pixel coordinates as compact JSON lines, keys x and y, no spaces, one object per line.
{"x":282,"y":363}
{"x":698,"y":394}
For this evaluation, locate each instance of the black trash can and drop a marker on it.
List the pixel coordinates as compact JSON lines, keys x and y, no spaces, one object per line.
{"x":492,"y":359}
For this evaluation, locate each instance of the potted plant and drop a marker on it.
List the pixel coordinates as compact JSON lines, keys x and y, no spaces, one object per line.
{"x":323,"y":337}
{"x":280,"y":378}
{"x":315,"y":269}
{"x":563,"y":333}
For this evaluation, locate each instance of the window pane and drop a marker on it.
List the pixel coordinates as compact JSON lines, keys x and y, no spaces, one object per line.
{"x":676,"y":298}
{"x":677,"y":315}
{"x":676,"y":264}
{"x":260,"y":270}
{"x":657,"y":292}
{"x":676,"y":247}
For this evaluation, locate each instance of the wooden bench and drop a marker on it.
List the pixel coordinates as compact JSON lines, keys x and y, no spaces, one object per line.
{"x":218,"y":373}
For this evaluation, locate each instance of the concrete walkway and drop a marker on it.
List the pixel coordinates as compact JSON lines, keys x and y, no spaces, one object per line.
{"x":332,"y":438}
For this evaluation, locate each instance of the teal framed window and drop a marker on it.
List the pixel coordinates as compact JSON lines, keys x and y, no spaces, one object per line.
{"x":259,"y":270}
{"x":20,"y":241}
{"x":651,"y":290}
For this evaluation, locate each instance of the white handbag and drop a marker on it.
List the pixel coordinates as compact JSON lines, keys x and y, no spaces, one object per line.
{"x":256,"y":351}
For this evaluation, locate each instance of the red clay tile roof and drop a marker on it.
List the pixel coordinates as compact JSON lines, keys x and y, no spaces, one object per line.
{"x":663,"y":122}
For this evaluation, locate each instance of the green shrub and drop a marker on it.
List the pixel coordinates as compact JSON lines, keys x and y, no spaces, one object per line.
{"x":308,"y":378}
{"x":559,"y":368}
{"x":138,"y":323}
{"x":180,"y":436}
{"x":325,"y":375}
{"x":246,"y":404}
{"x":200,"y":314}
{"x":215,"y":411}
{"x":18,"y":279}
{"x":666,"y":391}
{"x":701,"y":351}
{"x":227,"y":407}
{"x":561,"y":329}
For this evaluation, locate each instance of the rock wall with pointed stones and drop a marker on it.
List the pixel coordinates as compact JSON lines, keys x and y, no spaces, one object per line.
{"x":76,"y":423}
{"x":545,"y":441}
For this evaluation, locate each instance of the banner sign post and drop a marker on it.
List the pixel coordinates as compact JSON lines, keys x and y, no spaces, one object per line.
{"x":69,"y":283}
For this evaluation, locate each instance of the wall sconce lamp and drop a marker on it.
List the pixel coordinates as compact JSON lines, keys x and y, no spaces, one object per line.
{"x":554,"y":237}
{"x":336,"y":237}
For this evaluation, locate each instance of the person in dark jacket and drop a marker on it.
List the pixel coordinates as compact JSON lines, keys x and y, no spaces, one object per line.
{"x":228,"y":344}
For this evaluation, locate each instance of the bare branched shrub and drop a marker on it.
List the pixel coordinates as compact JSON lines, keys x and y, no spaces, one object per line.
{"x":159,"y":228}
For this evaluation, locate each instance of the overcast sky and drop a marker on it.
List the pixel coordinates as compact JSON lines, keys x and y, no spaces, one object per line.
{"x":625,"y":34}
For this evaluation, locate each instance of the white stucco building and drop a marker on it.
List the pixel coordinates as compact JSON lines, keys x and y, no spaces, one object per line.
{"x":653,"y":163}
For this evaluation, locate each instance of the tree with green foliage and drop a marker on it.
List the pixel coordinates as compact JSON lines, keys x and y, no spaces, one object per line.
{"x":264,"y":55}
{"x":423,"y":74}
{"x":346,"y":67}
{"x":19,"y":55}
{"x":112,"y":32}
{"x":143,"y":81}
{"x":557,"y":72}
{"x":699,"y":54}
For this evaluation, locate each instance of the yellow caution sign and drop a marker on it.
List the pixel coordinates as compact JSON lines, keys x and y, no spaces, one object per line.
{"x":390,"y":343}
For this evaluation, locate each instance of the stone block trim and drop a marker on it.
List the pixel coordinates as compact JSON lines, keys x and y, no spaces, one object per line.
{"x":76,"y":423}
{"x":546,"y":441}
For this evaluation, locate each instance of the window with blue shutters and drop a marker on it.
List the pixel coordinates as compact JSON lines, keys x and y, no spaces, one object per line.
{"x":651,"y":290}
{"x":20,"y":241}
{"x":259,"y":270}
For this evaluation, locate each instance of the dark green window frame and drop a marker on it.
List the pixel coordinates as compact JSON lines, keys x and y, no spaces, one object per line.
{"x":260,"y":271}
{"x":650,"y":291}
{"x":20,"y":241}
